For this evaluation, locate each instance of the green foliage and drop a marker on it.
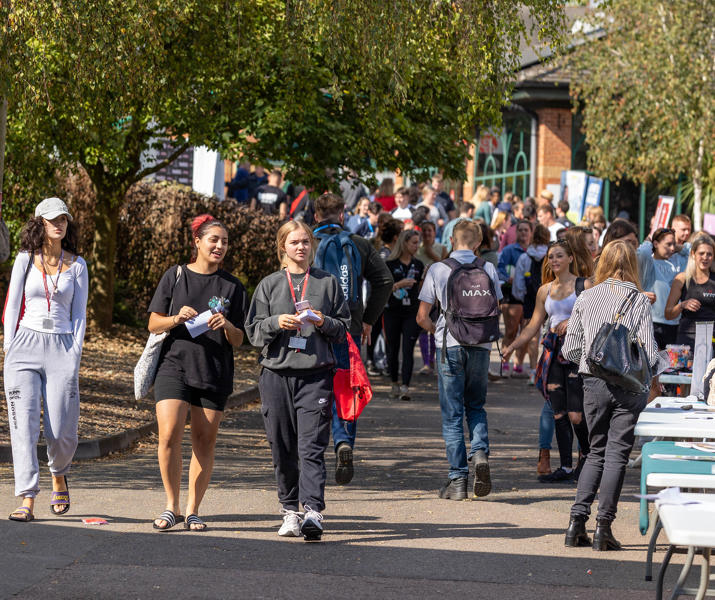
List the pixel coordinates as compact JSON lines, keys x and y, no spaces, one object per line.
{"x":318,"y":84}
{"x":647,"y":89}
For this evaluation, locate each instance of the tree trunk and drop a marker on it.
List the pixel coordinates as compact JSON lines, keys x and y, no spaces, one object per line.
{"x":104,"y":249}
{"x":698,"y":187}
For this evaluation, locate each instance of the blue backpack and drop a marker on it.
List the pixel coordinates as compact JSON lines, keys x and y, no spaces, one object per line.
{"x":338,"y":255}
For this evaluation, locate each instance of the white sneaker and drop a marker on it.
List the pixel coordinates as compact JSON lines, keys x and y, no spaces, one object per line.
{"x":312,"y":528}
{"x":532,"y":376}
{"x":291,"y":524}
{"x":405,"y":393}
{"x":395,"y":391}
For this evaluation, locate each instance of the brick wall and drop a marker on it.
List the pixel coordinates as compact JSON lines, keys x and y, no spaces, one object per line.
{"x":553,"y":145}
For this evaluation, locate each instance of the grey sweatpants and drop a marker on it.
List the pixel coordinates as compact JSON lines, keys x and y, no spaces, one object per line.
{"x":41,"y":371}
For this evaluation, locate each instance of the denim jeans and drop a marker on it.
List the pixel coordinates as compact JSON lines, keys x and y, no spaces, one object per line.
{"x":546,"y":426}
{"x":463,"y":392}
{"x":343,"y":431}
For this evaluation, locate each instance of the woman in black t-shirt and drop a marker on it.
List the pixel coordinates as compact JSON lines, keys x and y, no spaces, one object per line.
{"x":401,"y":312}
{"x":194,"y":373}
{"x":692,"y":293}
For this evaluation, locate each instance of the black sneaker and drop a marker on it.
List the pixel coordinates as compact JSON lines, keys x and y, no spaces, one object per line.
{"x":482,"y":477}
{"x":454,"y":489}
{"x":558,"y":476}
{"x":344,"y":464}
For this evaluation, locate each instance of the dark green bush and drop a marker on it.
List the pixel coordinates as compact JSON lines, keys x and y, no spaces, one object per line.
{"x":154,"y":233}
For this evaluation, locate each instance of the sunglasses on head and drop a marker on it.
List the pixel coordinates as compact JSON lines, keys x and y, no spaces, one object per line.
{"x":562,"y":243}
{"x":659,"y":233}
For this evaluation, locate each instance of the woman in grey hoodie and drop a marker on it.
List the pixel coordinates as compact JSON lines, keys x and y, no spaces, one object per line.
{"x":296,"y":381}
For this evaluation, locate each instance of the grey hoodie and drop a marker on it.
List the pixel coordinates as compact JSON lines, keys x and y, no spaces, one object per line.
{"x":273,"y":298}
{"x":518,"y":288}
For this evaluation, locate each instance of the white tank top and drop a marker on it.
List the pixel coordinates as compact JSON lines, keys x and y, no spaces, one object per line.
{"x":558,"y":310}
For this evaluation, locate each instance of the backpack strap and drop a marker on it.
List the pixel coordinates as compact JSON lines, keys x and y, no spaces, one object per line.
{"x":294,"y":205}
{"x":580,"y":285}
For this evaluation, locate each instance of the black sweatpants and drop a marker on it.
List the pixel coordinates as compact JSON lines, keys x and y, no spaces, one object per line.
{"x":400,"y":325}
{"x":297,"y":411}
{"x":611,"y":414}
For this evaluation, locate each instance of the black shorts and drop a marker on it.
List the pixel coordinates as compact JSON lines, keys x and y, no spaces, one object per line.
{"x":510,"y":299}
{"x":665,"y":334}
{"x":166,"y":388}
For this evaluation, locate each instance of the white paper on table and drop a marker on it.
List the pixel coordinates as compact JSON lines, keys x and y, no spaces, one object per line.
{"x":199,"y":324}
{"x":704,"y":446}
{"x":669,"y":495}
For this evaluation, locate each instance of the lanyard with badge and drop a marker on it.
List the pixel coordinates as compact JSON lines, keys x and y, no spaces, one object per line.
{"x":49,"y":323}
{"x":298,"y":342}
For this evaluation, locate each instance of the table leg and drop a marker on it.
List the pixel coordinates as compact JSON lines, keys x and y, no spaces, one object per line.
{"x":661,"y":574}
{"x":684,"y":573}
{"x":657,"y":526}
{"x":704,"y":575}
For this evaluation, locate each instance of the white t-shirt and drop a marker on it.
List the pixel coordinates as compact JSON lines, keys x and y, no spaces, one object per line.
{"x":435,"y":289}
{"x":402,"y":213}
{"x":553,"y":229}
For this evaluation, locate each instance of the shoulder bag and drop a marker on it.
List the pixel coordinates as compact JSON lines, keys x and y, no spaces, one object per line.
{"x":148,"y":363}
{"x":617,"y":356}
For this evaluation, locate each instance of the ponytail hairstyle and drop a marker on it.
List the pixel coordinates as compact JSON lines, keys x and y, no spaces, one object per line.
{"x":199,"y":228}
{"x":547,"y":275}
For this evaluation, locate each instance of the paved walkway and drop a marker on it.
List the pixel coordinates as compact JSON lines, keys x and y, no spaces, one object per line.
{"x":387,"y":534}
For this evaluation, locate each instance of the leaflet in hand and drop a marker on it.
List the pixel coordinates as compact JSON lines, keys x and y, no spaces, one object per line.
{"x":308,"y":316}
{"x":199,"y":324}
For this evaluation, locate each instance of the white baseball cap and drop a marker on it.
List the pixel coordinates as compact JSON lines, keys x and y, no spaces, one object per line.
{"x":51,"y":208}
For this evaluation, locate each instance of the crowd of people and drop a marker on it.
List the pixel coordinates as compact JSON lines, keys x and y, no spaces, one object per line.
{"x":389,"y":269}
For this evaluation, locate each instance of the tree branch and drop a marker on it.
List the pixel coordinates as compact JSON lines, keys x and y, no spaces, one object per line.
{"x":160,"y":165}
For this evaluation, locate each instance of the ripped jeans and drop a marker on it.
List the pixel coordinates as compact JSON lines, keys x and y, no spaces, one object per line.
{"x":565,"y":388}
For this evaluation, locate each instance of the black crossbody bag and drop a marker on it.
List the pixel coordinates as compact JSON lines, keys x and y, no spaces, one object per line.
{"x":617,"y":355}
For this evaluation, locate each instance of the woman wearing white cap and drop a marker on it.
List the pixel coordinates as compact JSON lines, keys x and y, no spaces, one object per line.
{"x":44,"y":322}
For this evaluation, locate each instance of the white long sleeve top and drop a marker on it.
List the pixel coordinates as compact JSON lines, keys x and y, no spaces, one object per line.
{"x":68,"y":306}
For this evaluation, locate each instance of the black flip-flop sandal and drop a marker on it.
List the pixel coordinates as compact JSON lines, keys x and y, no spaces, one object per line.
{"x":28,"y":516}
{"x":194,"y":520}
{"x":60,"y":498}
{"x":171,"y":519}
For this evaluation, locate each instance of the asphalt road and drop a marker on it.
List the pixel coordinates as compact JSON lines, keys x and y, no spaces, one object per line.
{"x":387,"y":534}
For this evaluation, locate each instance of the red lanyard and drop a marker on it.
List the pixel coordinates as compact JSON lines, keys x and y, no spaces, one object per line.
{"x":305,"y":285}
{"x":54,"y":283}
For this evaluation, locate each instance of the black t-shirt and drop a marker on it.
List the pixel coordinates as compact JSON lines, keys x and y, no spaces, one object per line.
{"x":446,"y":201}
{"x":270,"y":198}
{"x":206,"y":361}
{"x":399,"y":271}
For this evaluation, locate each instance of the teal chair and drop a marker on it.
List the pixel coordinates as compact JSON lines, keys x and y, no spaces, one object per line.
{"x":662,"y":473}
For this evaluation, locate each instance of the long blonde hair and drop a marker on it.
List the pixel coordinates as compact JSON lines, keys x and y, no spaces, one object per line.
{"x":691,"y":268}
{"x":285,"y":230}
{"x":581,"y":254}
{"x":618,"y":261}
{"x":399,"y":247}
{"x":480,"y":195}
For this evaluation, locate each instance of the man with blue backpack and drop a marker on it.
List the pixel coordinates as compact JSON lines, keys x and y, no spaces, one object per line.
{"x":468,"y":293}
{"x":352,"y":259}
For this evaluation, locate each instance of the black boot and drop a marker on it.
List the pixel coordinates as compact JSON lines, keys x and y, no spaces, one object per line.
{"x":576,"y":533}
{"x":454,"y":489}
{"x":603,"y":536}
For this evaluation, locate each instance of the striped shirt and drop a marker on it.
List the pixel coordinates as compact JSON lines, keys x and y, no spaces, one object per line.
{"x":598,"y":305}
